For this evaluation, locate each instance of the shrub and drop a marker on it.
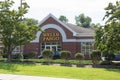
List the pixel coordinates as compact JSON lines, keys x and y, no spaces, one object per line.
{"x":66,"y":55}
{"x":95,"y":56}
{"x":105,"y":63}
{"x":79,"y":57}
{"x":16,"y":56}
{"x":30,"y":55}
{"x":25,"y":56}
{"x":4,"y":55}
{"x":47,"y":54}
{"x":1,"y":54}
{"x":109,"y":56}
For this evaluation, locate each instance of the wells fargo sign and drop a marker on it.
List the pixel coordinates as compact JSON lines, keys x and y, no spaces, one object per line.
{"x":51,"y":36}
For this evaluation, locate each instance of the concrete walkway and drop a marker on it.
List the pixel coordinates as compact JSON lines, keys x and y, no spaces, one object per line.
{"x":23,"y":77}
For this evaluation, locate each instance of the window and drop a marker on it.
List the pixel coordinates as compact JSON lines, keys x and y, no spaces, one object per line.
{"x":86,"y":47}
{"x":48,"y":45}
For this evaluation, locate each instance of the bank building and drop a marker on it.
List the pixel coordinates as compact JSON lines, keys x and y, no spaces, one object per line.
{"x":61,"y":36}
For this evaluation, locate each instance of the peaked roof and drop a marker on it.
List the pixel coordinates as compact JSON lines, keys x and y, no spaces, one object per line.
{"x":76,"y":30}
{"x":79,"y":29}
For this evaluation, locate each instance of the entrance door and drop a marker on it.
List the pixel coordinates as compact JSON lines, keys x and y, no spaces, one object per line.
{"x":55,"y":47}
{"x":51,"y":47}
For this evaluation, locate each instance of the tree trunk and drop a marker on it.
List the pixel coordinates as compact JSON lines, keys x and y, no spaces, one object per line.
{"x":21,"y":53}
{"x":9,"y":54}
{"x":9,"y":57}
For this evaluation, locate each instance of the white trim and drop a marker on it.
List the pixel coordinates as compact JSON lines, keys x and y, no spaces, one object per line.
{"x":50,"y":15}
{"x":64,"y":38}
{"x":85,"y":34}
{"x":50,"y":26}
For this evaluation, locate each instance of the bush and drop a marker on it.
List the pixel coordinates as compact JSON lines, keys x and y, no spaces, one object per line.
{"x":105,"y":63}
{"x":47,"y":54}
{"x":1,"y":54}
{"x":30,"y":55}
{"x":109,"y":56}
{"x":95,"y":56}
{"x":79,"y":57}
{"x":16,"y":56}
{"x":66,"y":55}
{"x":4,"y":55}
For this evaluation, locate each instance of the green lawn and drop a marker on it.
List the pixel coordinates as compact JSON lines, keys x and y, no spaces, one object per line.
{"x":60,"y":71}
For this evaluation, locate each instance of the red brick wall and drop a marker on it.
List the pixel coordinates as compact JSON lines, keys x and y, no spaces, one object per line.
{"x":73,"y":47}
{"x":32,"y":47}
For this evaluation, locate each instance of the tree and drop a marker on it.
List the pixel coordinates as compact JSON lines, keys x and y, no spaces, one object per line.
{"x":14,"y":32}
{"x":30,"y":21}
{"x":94,"y":26}
{"x":63,"y":19}
{"x":83,"y":21}
{"x":108,"y":36}
{"x":112,"y":12}
{"x":100,"y":38}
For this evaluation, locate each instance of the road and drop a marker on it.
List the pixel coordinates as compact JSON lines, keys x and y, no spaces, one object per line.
{"x":23,"y":77}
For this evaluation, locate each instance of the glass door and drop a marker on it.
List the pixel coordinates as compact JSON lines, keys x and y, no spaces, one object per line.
{"x":55,"y":47}
{"x":48,"y":47}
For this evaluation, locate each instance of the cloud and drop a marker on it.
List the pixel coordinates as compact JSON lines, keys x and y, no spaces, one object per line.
{"x":92,"y":8}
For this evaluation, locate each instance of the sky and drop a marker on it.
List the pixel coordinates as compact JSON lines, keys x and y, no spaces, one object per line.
{"x":69,"y":8}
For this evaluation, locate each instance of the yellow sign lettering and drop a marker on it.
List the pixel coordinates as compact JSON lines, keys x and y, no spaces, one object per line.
{"x":50,"y":36}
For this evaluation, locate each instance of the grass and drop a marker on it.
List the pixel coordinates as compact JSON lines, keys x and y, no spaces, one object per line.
{"x":60,"y":71}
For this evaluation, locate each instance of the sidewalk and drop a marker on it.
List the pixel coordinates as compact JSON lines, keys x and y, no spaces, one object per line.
{"x":23,"y":77}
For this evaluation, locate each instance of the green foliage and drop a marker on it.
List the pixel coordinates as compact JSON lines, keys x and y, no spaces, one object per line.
{"x":94,"y":26}
{"x":65,"y":54}
{"x":79,"y":57}
{"x":112,"y":12}
{"x":30,"y":21}
{"x":95,"y":56}
{"x":100,"y":38}
{"x":109,"y":56}
{"x":105,"y":62}
{"x":47,"y":54}
{"x":108,"y":36}
{"x":1,"y":54}
{"x":83,"y":21}
{"x":13,"y":31}
{"x":63,"y":19}
{"x":54,"y":61}
{"x":16,"y":56}
{"x":31,"y":55}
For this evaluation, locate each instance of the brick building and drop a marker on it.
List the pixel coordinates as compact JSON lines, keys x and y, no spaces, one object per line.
{"x":61,"y":36}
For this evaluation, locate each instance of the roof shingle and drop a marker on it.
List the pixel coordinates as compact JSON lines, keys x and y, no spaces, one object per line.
{"x":78,"y":29}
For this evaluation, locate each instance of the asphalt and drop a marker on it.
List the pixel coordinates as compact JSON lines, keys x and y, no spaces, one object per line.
{"x":23,"y":77}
